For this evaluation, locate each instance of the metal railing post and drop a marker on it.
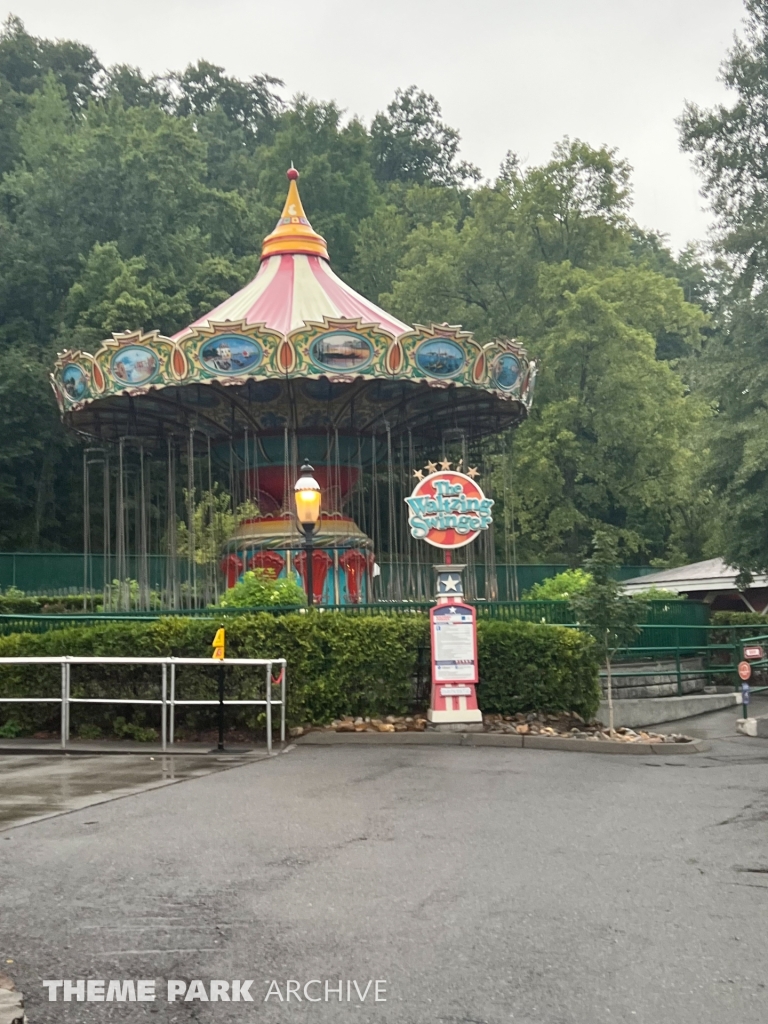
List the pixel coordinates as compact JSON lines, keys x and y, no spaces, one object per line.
{"x":679,"y":675}
{"x":735,"y":653}
{"x":63,"y":705}
{"x":173,"y":703}
{"x":269,"y":707}
{"x":220,"y":744}
{"x":163,"y":721}
{"x":283,"y":692}
{"x":68,"y":667}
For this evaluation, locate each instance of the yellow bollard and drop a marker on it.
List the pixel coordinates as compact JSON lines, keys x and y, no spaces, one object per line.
{"x":218,"y":644}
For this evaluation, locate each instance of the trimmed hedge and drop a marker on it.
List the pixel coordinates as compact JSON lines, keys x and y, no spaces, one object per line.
{"x":528,"y":667}
{"x":337,"y":665}
{"x":17,"y":603}
{"x":739,"y":619}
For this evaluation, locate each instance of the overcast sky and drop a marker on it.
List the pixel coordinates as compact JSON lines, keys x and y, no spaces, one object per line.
{"x":513,"y":75}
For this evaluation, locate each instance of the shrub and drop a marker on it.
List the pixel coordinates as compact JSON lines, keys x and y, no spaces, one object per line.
{"x":529,"y":667}
{"x":338,"y":664}
{"x":123,"y":729}
{"x":739,"y":619}
{"x":750,"y":623}
{"x":258,"y":588}
{"x":15,"y":602}
{"x":658,"y":594}
{"x":560,"y":587}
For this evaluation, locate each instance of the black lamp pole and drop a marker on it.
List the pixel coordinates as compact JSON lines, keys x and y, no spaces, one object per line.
{"x":308,"y":501}
{"x":309,"y":547}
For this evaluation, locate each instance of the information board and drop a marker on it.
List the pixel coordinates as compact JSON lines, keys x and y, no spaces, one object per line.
{"x":454,"y":643}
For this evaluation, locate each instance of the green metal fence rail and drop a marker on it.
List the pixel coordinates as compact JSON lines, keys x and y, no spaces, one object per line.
{"x":660,"y":613}
{"x":56,"y":574}
{"x":759,"y":664}
{"x":720,"y":655}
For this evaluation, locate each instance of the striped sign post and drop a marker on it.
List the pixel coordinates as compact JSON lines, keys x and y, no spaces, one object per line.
{"x":448,"y":510}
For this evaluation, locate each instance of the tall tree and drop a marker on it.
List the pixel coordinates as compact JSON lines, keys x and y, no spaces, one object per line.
{"x":609,"y":438}
{"x":550,"y":256}
{"x":728,"y":143}
{"x":410,"y":143}
{"x":25,"y":64}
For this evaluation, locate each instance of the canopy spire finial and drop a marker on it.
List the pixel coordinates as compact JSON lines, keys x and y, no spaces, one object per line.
{"x":293,"y":233}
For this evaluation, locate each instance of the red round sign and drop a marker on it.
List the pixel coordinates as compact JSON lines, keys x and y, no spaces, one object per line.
{"x":745,"y":670}
{"x":448,"y":509}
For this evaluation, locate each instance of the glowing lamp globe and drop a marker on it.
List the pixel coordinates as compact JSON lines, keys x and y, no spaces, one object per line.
{"x":307,"y":496}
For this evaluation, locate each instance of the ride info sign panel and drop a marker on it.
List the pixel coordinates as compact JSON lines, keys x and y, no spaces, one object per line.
{"x":454,"y":664}
{"x":454,"y":643}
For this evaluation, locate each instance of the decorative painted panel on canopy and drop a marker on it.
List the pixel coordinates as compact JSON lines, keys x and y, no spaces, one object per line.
{"x":297,"y":348}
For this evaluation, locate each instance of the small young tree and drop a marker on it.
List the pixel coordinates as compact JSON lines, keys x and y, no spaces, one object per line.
{"x":611,"y":617}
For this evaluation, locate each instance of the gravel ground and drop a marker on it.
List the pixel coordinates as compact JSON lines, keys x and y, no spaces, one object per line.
{"x":482,"y":885}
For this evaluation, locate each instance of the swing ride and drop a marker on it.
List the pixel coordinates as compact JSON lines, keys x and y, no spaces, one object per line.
{"x":294,"y":367}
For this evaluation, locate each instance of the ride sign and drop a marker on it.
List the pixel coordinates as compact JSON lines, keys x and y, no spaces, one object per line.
{"x":448,"y":510}
{"x":454,"y":647}
{"x":453,"y":628}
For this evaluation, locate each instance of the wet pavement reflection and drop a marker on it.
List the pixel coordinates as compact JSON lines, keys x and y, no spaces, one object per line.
{"x":38,"y":786}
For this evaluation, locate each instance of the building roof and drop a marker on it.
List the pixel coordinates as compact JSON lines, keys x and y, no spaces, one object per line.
{"x":295,"y":284}
{"x":712,"y":574}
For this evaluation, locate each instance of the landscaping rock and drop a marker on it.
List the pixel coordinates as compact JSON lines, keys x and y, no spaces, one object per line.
{"x":11,"y":1003}
{"x":572,"y":726}
{"x":553,"y":726}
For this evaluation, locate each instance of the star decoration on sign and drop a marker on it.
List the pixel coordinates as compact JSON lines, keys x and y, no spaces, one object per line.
{"x":431,"y":467}
{"x":419,"y":474}
{"x":473,"y":472}
{"x":445,"y":464}
{"x":451,"y":583}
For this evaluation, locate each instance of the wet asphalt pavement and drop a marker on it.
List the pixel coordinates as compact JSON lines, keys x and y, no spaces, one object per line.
{"x":481,"y":884}
{"x":33,"y":787}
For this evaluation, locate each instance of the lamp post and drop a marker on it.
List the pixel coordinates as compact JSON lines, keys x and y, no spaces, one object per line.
{"x":308,"y":498}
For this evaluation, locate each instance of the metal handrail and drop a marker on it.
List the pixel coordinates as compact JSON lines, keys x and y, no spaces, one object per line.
{"x":168,"y":703}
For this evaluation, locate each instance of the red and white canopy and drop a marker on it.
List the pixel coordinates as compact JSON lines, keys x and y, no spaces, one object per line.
{"x":295,"y":283}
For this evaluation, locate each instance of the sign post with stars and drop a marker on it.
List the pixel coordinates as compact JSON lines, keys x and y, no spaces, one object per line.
{"x":447,"y":509}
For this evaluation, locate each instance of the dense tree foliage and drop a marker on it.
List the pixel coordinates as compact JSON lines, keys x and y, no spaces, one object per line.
{"x":549,"y":256}
{"x":129,"y":201}
{"x":729,"y":145}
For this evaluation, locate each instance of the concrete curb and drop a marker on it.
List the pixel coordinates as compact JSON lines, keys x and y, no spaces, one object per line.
{"x":147,"y":749}
{"x":491,"y":739}
{"x":335,"y":739}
